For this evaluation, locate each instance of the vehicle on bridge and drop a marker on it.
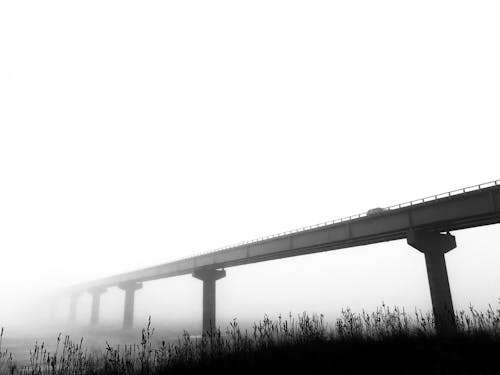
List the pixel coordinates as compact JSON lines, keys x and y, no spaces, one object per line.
{"x":375,"y":211}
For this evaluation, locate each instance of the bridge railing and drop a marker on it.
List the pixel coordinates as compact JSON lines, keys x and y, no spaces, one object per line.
{"x":353,"y":217}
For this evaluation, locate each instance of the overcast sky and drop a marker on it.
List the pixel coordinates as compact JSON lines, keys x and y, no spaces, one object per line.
{"x":138,"y":132}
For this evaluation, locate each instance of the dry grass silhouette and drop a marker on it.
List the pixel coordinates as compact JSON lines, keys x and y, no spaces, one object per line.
{"x":388,"y":340}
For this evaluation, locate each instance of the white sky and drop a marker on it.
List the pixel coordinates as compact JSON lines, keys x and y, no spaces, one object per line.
{"x":138,"y":132}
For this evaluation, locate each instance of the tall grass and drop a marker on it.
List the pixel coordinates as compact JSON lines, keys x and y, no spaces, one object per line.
{"x":234,"y":345}
{"x":6,"y":361}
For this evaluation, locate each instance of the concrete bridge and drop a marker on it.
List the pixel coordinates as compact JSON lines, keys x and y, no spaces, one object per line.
{"x":425,"y":224}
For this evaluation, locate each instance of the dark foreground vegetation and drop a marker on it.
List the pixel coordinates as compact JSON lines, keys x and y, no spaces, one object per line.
{"x":387,"y":341}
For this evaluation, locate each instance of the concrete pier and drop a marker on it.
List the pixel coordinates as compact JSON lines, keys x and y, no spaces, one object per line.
{"x":72,"y":307}
{"x":434,"y":245}
{"x":53,"y":304}
{"x":209,"y":277}
{"x":128,"y":314}
{"x":96,"y":302}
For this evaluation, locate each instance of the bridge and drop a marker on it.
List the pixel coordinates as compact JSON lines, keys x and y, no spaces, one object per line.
{"x":425,"y":223}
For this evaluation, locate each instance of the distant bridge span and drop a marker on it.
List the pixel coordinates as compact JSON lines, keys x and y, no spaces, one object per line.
{"x":421,"y":222}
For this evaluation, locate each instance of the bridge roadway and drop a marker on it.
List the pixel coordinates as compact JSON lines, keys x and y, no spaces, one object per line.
{"x":421,"y":222}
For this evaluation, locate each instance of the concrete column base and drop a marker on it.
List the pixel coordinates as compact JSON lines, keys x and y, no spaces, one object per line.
{"x":209,"y":277}
{"x":434,"y":245}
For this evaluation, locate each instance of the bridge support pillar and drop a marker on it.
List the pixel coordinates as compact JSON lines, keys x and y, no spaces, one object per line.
{"x":434,"y":245}
{"x":72,"y":307}
{"x":128,"y":314}
{"x":209,"y":277}
{"x":96,"y":302}
{"x":53,"y":308}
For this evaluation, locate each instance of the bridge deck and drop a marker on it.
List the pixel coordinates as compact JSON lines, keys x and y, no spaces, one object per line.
{"x":465,"y":208}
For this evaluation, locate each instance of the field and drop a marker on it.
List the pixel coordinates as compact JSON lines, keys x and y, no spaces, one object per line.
{"x":388,"y":340}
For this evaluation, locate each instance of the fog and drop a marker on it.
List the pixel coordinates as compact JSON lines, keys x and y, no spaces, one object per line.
{"x":136,"y":133}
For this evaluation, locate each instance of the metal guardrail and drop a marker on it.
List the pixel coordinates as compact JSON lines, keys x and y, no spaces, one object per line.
{"x":352,"y":217}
